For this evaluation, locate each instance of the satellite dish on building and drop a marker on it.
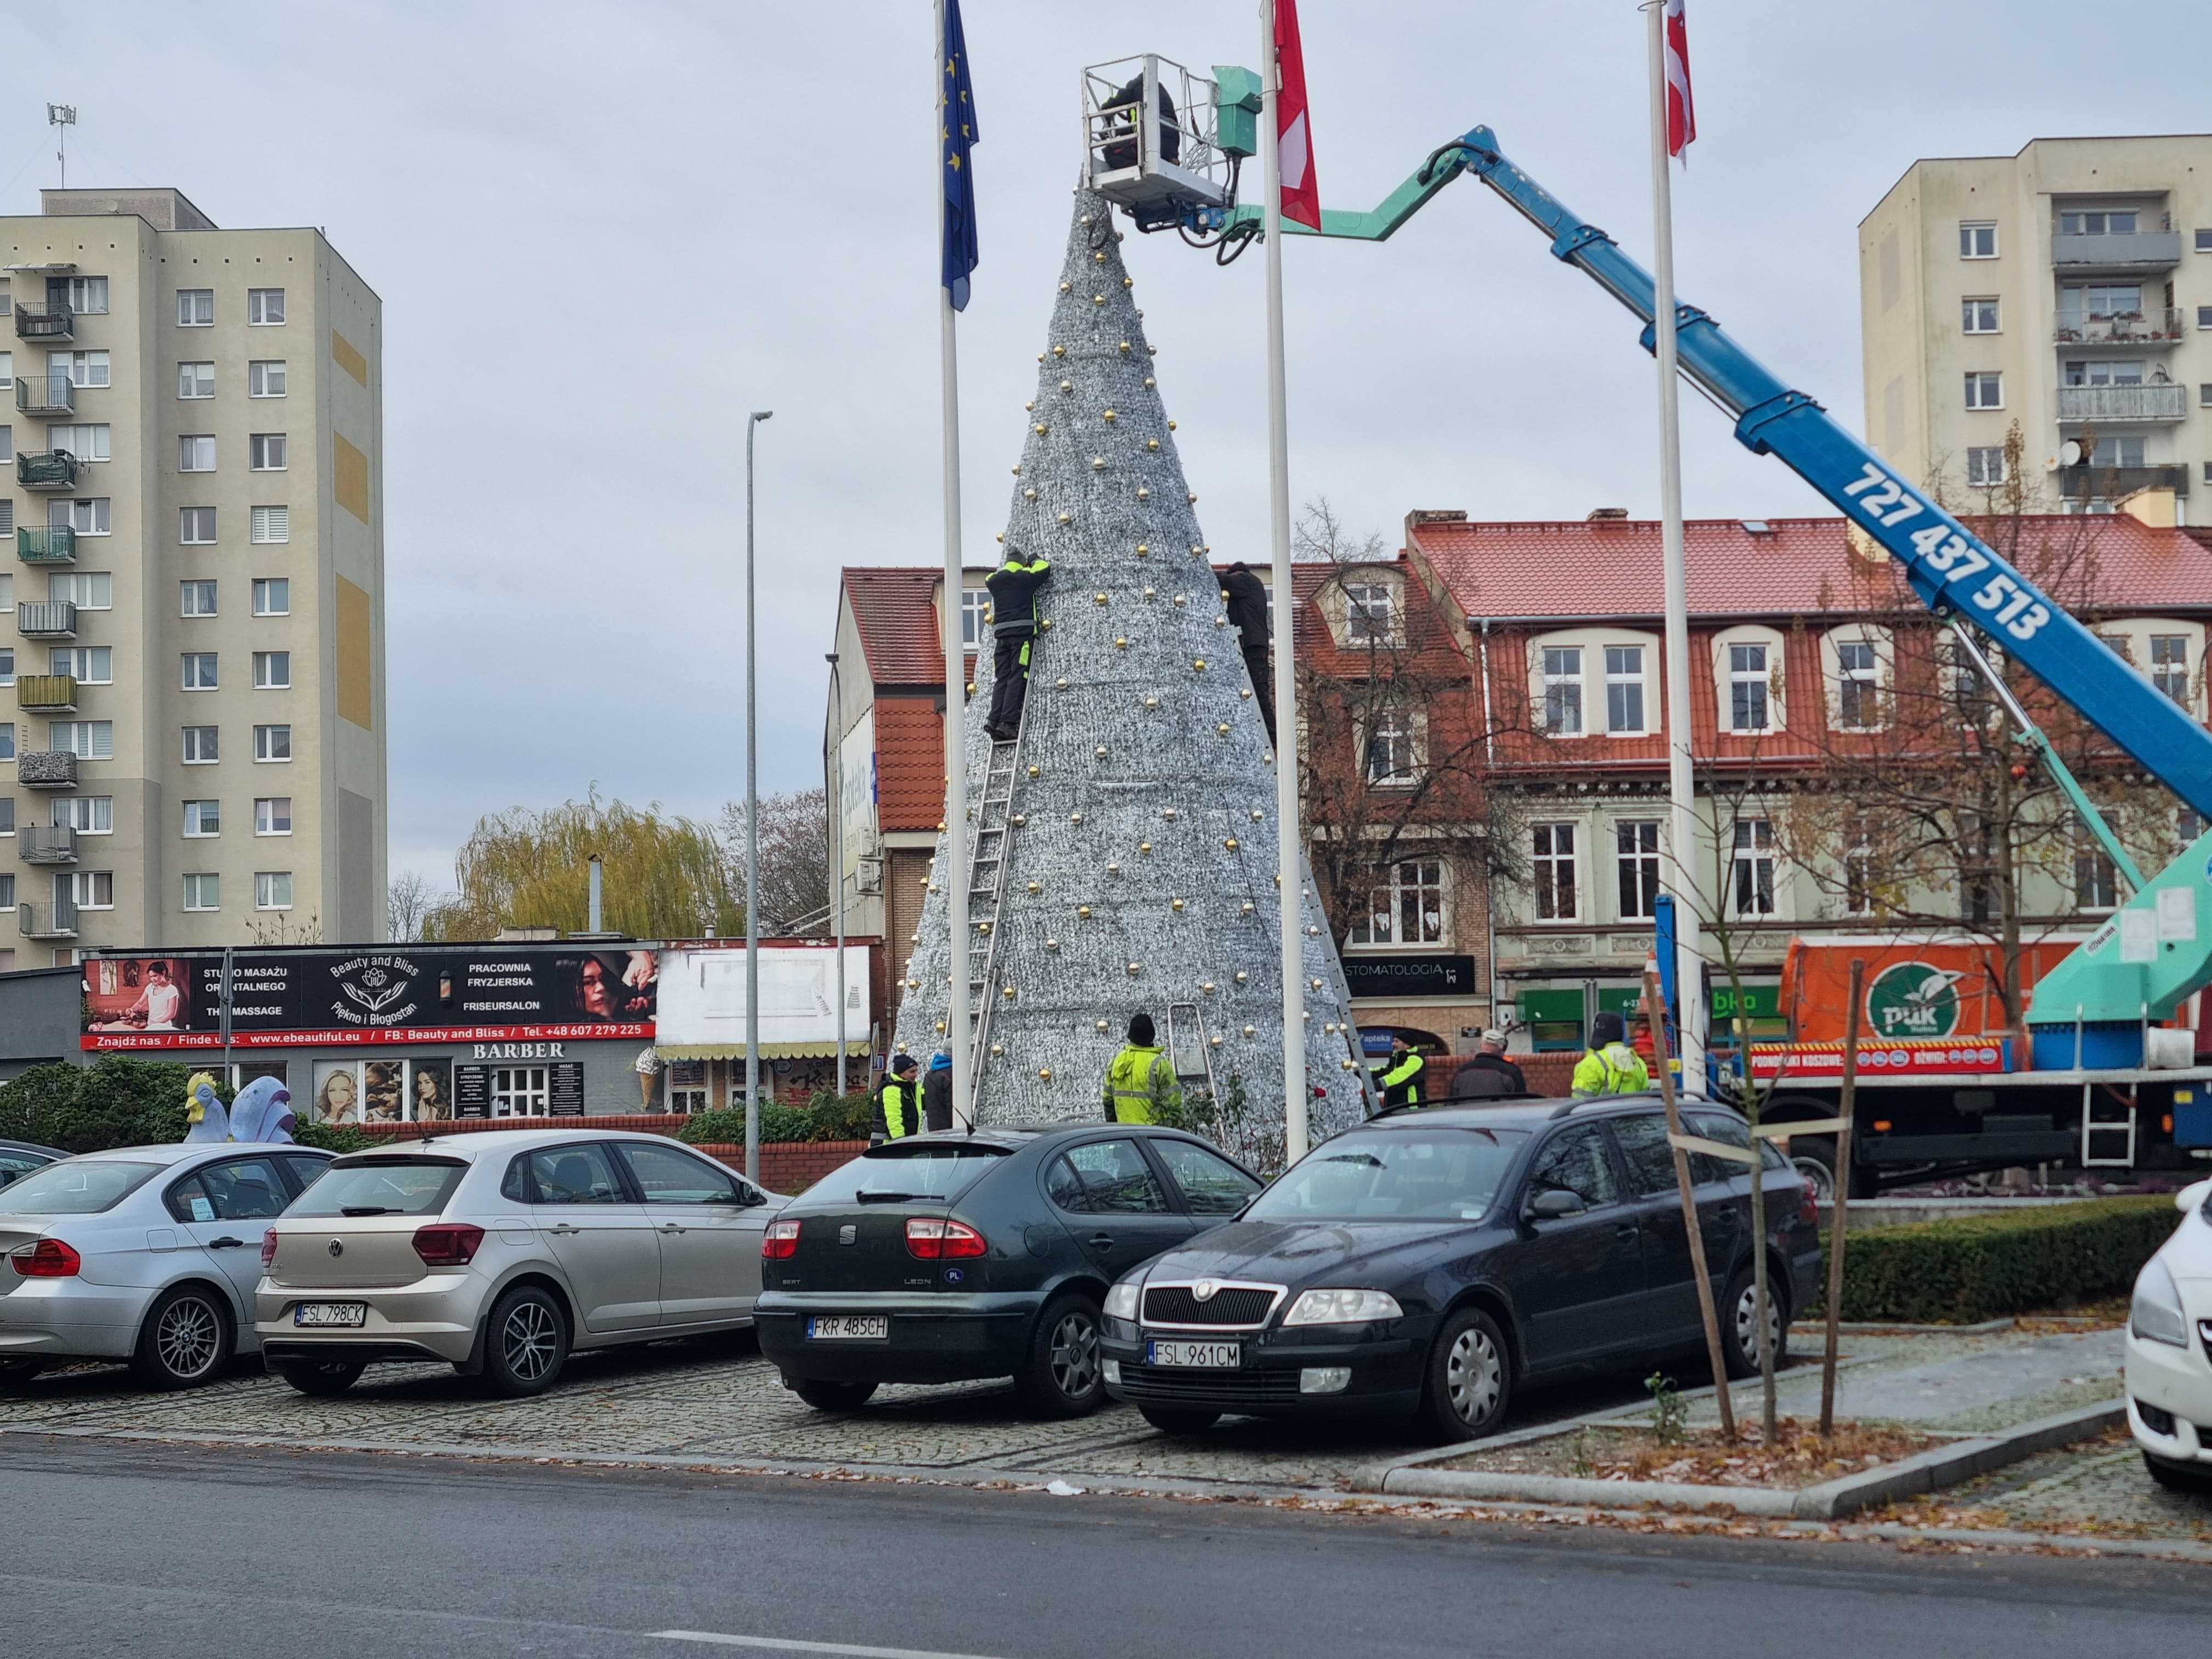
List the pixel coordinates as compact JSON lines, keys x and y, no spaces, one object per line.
{"x":2069,"y":453}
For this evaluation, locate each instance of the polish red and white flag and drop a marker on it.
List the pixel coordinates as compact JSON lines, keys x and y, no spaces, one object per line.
{"x":1293,"y":137}
{"x":1682,"y":114}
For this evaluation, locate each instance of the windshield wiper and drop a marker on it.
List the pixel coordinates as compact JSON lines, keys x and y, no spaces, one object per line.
{"x":366,"y":1209}
{"x":886,"y":1198}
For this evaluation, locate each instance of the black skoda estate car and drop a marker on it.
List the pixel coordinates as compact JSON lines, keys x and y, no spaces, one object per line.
{"x":1428,"y":1263}
{"x":950,"y":1257}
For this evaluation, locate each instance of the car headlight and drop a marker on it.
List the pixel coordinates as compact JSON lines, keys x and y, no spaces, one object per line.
{"x":1342,"y":1307}
{"x":1121,"y":1300}
{"x":2156,"y":1315}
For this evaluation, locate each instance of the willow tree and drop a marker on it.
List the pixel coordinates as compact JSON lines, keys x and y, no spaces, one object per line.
{"x":666,"y":876}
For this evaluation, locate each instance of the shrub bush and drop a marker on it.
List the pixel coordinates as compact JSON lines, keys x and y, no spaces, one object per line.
{"x":825,"y":1117}
{"x":1962,"y":1272}
{"x":117,"y":1101}
{"x":339,"y":1138}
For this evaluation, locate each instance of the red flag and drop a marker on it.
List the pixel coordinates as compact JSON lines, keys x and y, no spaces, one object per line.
{"x":1681,"y":115}
{"x":1293,"y":138}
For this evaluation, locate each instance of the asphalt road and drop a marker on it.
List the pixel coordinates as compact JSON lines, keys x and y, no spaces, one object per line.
{"x":116,"y":1549}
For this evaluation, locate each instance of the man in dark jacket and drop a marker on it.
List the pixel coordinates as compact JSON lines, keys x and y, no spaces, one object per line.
{"x":1488,"y":1072}
{"x":937,"y":1091}
{"x":898,"y":1104}
{"x":1246,"y":598}
{"x":1013,"y":588}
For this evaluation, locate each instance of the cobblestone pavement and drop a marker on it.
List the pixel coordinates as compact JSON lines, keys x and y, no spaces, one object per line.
{"x":2097,"y":1488}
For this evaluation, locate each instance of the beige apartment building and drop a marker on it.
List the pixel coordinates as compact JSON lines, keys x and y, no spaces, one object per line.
{"x":2068,"y":288}
{"x":191,"y":615}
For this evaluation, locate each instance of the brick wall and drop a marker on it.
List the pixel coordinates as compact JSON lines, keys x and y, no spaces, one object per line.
{"x":786,"y":1166}
{"x":1548,"y":1075}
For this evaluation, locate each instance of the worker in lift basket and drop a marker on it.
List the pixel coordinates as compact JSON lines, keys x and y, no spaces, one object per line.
{"x":1013,"y":588}
{"x":1140,"y":1084}
{"x":1611,"y":1066}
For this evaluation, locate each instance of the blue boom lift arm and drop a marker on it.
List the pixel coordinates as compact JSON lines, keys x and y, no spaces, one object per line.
{"x":2157,"y":949}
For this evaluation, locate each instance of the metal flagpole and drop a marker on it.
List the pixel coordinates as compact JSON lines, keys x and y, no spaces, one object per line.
{"x":1289,"y":850}
{"x":1681,"y":780}
{"x":753,"y":832}
{"x":955,"y":875}
{"x":835,"y":763}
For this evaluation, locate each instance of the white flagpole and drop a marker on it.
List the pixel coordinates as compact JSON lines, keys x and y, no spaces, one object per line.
{"x":955,"y":874}
{"x":1681,"y":780}
{"x":1289,"y":850}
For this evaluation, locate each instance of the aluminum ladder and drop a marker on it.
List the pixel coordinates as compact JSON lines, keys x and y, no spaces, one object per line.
{"x":1188,"y":1051}
{"x":2107,"y":1142}
{"x":987,"y":885}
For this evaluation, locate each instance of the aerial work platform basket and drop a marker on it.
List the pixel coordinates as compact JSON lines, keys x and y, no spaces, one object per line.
{"x":1154,"y":140}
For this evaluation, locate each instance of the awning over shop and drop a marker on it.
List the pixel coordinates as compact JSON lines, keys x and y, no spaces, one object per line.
{"x":702,"y":1003}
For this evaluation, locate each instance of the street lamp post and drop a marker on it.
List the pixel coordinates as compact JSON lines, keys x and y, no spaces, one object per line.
{"x":833,"y":778}
{"x":753,"y":830}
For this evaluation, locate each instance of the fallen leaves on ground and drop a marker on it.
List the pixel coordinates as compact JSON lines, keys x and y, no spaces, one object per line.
{"x":1798,"y":1456}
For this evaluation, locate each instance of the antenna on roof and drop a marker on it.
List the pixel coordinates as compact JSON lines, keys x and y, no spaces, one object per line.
{"x":64,"y":116}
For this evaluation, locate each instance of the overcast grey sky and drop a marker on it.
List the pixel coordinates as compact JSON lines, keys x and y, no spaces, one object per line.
{"x":603,"y":233}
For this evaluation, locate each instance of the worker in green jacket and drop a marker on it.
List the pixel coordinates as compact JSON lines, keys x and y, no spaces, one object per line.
{"x":1611,"y":1066}
{"x":898,"y":1103}
{"x":1401,"y":1082}
{"x":1140,"y":1084}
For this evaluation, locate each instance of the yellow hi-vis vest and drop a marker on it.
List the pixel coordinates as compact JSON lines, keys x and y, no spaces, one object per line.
{"x":1615,"y":1069}
{"x":1136,"y":1082}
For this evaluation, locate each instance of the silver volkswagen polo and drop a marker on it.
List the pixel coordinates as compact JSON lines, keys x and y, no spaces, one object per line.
{"x":144,"y":1254}
{"x":501,"y":1253}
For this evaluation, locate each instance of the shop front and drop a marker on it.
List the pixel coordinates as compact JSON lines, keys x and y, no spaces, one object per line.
{"x":703,"y":1033}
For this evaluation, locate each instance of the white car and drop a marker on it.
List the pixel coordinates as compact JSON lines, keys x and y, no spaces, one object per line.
{"x":501,"y":1253}
{"x":145,"y":1253}
{"x":2169,"y":1348}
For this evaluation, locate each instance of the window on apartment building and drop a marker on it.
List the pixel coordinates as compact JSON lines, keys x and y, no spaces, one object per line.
{"x":1748,"y":688}
{"x":273,"y":889}
{"x":194,"y":308}
{"x":88,"y":815}
{"x":1624,"y":690}
{"x":199,"y":670}
{"x":1753,"y":882}
{"x":2102,"y":222}
{"x":266,"y":451}
{"x":196,"y":596}
{"x":92,"y":890}
{"x":2204,"y":316}
{"x":1978,"y":316}
{"x":271,"y":524}
{"x":1393,"y":747}
{"x":1405,"y":906}
{"x":1552,"y":869}
{"x":2099,"y":301}
{"x":2204,"y":394}
{"x":1985,"y":389}
{"x":6,"y":446}
{"x":272,"y":671}
{"x":202,"y":747}
{"x":1858,"y":685}
{"x":88,"y":665}
{"x":7,"y":369}
{"x":196,"y":379}
{"x":87,"y":441}
{"x":7,"y":815}
{"x":196,"y":527}
{"x":272,"y":743}
{"x":1977,"y":238}
{"x":203,"y":818}
{"x":1369,"y":617}
{"x":8,"y":902}
{"x":86,"y":295}
{"x":1985,"y":465}
{"x":7,"y":591}
{"x":264,"y":307}
{"x":272,"y":596}
{"x":272,"y":815}
{"x":86,"y":739}
{"x":86,"y":516}
{"x":196,"y":452}
{"x":1636,"y":862}
{"x":2098,"y":371}
{"x":87,"y":590}
{"x":203,"y":891}
{"x":265,"y":379}
{"x":7,"y":664}
{"x":1563,"y":690}
{"x":2096,"y":883}
{"x":2169,"y":666}
{"x":6,"y":740}
{"x":78,"y":369}
{"x":2117,"y":452}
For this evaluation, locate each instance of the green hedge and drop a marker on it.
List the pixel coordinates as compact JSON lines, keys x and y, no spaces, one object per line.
{"x":827,"y":1116}
{"x":1962,"y":1272}
{"x":117,"y":1101}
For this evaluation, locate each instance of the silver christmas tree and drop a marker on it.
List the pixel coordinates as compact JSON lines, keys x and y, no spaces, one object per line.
{"x":1123,"y":845}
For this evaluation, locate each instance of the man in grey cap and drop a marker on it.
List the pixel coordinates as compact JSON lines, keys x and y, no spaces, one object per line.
{"x":1489,"y":1072}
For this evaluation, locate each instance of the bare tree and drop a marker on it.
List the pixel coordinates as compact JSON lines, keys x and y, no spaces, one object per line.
{"x":407,"y":902}
{"x":794,"y":855}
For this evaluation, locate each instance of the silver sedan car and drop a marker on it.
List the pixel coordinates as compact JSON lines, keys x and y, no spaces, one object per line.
{"x":501,"y":1253}
{"x":144,"y":1254}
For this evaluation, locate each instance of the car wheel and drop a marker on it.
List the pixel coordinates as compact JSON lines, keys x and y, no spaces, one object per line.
{"x":1739,"y":1312}
{"x":1063,"y":1375}
{"x":2178,"y":1477}
{"x":525,"y":1342}
{"x":826,"y":1396}
{"x":186,"y":1338}
{"x":1814,"y":1157}
{"x":15,"y":1372}
{"x":1168,"y":1421}
{"x":1470,"y":1378}
{"x":331,"y":1377}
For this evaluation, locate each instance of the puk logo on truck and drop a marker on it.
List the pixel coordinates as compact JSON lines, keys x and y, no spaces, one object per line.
{"x":1913,"y":999}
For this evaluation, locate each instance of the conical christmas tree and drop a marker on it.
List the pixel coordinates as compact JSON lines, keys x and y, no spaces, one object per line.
{"x":1124,"y":845}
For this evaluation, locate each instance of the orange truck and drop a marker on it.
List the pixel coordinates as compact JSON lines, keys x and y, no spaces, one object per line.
{"x":1922,"y":989}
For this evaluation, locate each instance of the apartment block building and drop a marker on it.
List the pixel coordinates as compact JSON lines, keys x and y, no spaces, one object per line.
{"x":192,"y":744}
{"x":2068,"y":288}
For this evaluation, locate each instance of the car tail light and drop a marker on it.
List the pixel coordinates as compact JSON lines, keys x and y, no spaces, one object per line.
{"x":447,"y":1243}
{"x":269,"y":1247}
{"x":933,"y":1241}
{"x":1808,"y":1210}
{"x":47,"y":1259}
{"x":780,"y":1241}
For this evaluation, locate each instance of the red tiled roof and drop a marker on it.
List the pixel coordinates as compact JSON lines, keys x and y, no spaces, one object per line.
{"x":891,"y":606}
{"x":909,"y":763}
{"x":1575,"y":568}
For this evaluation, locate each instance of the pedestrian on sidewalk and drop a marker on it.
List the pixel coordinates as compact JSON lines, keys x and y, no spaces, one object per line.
{"x":937,"y":1091}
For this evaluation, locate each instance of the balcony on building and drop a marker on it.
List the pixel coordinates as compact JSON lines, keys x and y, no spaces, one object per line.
{"x":39,"y":843}
{"x":45,"y":394}
{"x":44,"y":319}
{"x":2100,"y":485}
{"x":45,"y":544}
{"x":2153,"y":326}
{"x":48,"y":469}
{"x":2142,"y":250}
{"x":46,"y":619}
{"x":47,"y":694}
{"x":56,"y":920}
{"x":46,"y":768}
{"x":2150,"y":401}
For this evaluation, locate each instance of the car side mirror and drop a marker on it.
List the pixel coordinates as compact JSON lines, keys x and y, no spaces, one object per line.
{"x":1552,"y":1203}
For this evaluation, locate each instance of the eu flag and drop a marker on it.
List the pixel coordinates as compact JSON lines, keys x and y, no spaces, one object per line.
{"x":958,"y":109}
